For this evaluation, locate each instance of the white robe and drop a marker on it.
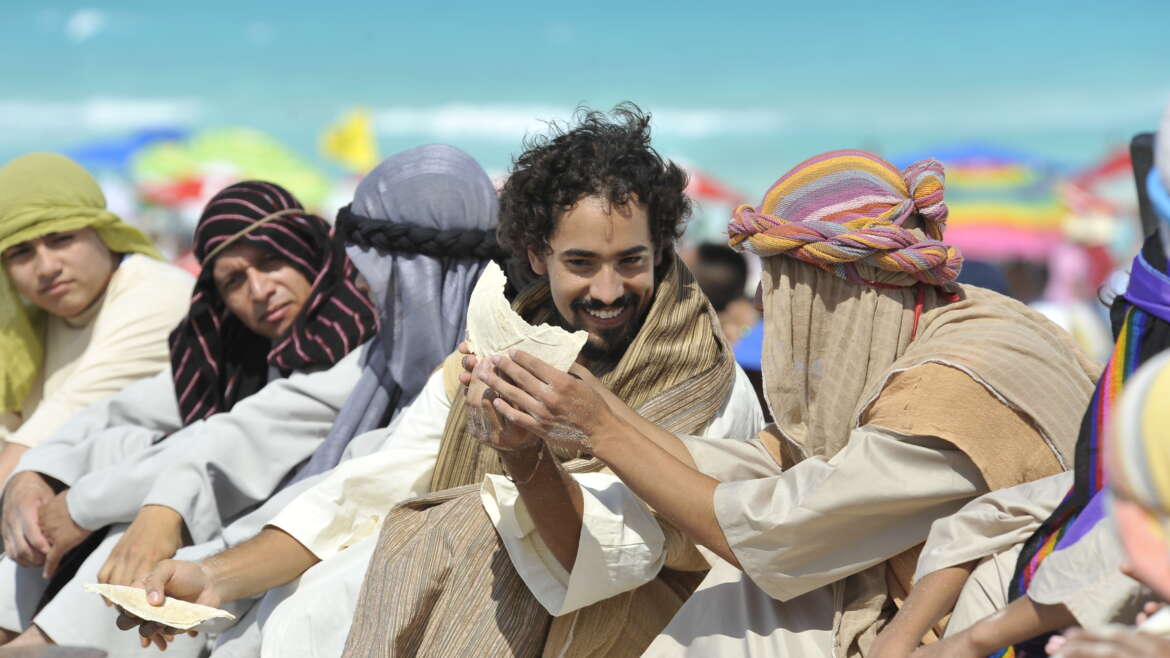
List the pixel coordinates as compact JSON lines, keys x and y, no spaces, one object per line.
{"x":210,"y":472}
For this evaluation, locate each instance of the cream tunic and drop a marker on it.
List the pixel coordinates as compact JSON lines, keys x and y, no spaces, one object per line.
{"x":1085,"y":577}
{"x":120,"y":339}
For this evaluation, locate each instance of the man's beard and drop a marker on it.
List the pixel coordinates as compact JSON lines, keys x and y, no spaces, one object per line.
{"x":603,"y":352}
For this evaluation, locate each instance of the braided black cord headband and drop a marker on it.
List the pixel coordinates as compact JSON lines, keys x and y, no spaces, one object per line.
{"x":387,"y":236}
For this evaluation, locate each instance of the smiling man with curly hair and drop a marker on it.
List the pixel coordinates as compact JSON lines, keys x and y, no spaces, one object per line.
{"x":600,"y":182}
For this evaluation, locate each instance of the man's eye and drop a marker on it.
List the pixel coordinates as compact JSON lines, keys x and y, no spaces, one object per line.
{"x":60,"y":239}
{"x":231,"y":282}
{"x":577,"y":262}
{"x":632,"y":260}
{"x":16,"y":253}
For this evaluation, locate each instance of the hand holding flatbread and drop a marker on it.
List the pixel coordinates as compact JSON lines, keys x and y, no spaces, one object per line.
{"x":178,"y":614}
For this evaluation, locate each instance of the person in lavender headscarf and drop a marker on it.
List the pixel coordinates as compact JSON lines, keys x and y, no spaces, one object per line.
{"x":421,"y":229}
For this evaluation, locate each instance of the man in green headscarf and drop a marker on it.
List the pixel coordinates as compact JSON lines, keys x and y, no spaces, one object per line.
{"x":86,"y":303}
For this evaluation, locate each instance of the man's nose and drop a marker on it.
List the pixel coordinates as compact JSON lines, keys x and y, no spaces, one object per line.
{"x":47,"y":263}
{"x":259,"y":285}
{"x":606,"y":286}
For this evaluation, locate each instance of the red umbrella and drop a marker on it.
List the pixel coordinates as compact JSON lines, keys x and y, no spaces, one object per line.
{"x":705,"y":188}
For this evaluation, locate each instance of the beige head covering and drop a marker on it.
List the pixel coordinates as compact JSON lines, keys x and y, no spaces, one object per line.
{"x":832,"y":343}
{"x":842,"y":319}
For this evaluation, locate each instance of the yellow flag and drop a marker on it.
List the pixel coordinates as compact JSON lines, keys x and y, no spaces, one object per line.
{"x":351,"y":142}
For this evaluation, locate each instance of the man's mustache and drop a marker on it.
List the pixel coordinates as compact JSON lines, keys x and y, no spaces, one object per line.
{"x":590,"y":304}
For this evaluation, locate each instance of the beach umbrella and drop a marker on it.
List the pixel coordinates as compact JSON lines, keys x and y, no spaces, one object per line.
{"x":1004,"y":204}
{"x":186,"y":172}
{"x":114,"y":154}
{"x":713,"y":202}
{"x":705,"y":188}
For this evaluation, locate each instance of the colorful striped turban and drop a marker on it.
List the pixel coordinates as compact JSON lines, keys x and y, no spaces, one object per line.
{"x":215,"y":360}
{"x":42,"y":193}
{"x":844,"y":208}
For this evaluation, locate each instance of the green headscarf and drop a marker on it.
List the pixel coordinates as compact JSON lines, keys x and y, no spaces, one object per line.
{"x":43,"y":193}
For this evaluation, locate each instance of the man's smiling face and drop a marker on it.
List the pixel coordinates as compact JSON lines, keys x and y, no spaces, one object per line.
{"x":600,"y":268}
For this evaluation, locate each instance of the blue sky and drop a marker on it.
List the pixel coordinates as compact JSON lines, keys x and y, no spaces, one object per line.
{"x":744,"y":90}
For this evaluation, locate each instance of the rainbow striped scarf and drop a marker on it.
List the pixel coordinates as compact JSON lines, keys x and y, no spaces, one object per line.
{"x":1141,"y":335}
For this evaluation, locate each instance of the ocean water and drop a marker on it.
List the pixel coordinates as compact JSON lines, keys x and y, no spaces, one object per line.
{"x":740,"y":90}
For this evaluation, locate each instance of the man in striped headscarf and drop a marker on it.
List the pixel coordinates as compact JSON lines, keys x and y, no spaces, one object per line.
{"x":421,"y":229}
{"x":275,"y":296}
{"x":897,"y":396}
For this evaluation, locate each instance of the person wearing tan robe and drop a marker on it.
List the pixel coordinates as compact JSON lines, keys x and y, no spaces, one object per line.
{"x":895,"y":403}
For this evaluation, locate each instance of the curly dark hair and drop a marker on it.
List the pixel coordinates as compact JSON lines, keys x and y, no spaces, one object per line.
{"x":608,"y":156}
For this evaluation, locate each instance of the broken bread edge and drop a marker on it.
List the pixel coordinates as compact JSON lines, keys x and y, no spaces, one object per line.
{"x":175,"y":613}
{"x":494,"y":328}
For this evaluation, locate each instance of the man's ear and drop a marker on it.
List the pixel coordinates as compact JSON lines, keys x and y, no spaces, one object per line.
{"x":536,"y":262}
{"x":658,"y":256}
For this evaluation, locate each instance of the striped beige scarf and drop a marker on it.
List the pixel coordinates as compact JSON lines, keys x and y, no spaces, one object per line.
{"x":676,"y":373}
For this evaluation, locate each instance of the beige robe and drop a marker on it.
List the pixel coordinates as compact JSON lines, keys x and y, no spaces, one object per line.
{"x":121,"y":338}
{"x":1084,"y":577}
{"x":785,"y":523}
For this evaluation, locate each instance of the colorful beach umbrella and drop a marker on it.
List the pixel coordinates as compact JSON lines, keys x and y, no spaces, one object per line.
{"x":173,"y":173}
{"x":1004,"y":204}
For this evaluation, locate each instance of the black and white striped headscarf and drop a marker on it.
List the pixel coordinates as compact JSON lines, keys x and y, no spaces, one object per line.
{"x":216,"y":361}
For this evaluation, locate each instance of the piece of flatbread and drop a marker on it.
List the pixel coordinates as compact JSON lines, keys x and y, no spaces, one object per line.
{"x":173,"y":612}
{"x":494,"y":328}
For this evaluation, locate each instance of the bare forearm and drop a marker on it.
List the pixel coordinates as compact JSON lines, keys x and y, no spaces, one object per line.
{"x":270,"y":559}
{"x":552,"y":497}
{"x":933,"y":597}
{"x":660,"y":437}
{"x":677,"y":491}
{"x":1023,"y":619}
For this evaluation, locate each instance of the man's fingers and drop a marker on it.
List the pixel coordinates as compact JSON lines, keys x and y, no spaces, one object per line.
{"x":32,"y":530}
{"x":126,"y":621}
{"x":468,"y":362}
{"x":104,"y":572}
{"x":521,"y":419}
{"x":155,"y":583}
{"x":51,"y":561}
{"x":16,"y":548}
{"x":518,"y":397}
{"x":463,"y":347}
{"x":531,"y":384}
{"x":542,"y":370}
{"x":114,"y":576}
